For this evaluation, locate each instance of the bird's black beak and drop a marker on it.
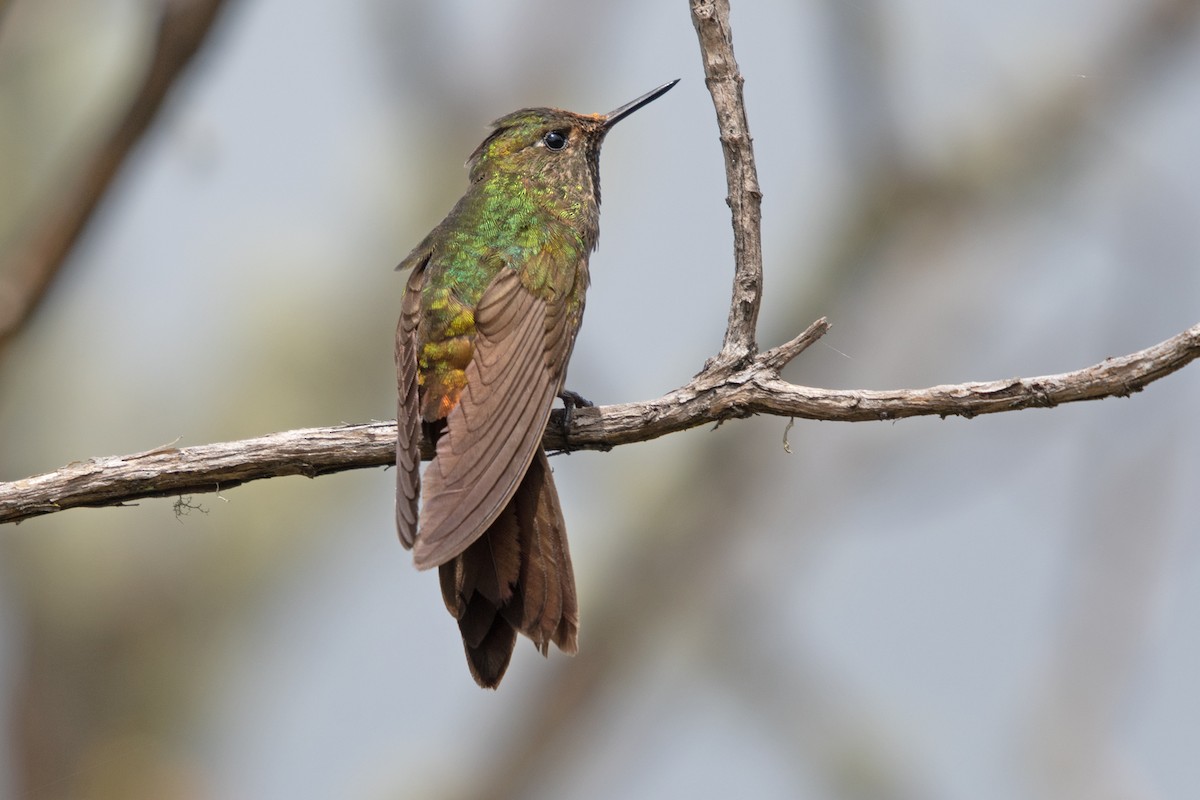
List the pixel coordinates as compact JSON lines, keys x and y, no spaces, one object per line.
{"x":613,"y":117}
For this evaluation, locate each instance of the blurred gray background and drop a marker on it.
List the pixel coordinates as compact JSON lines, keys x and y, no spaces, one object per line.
{"x":996,"y":608}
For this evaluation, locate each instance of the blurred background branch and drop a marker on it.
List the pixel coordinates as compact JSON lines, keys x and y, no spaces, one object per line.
{"x":28,"y":267}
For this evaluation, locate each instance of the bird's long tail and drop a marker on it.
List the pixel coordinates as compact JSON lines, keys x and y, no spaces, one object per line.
{"x":516,"y":577}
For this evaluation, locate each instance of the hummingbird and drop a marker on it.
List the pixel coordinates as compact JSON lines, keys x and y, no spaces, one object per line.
{"x":490,"y":312}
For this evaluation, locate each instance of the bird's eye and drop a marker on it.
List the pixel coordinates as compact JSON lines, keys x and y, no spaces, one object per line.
{"x":555,"y":140}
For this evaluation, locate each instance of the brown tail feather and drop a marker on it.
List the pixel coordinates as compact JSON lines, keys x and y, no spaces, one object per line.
{"x":516,"y":577}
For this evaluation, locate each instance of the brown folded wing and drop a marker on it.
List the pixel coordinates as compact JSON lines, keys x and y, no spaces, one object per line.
{"x":520,"y":349}
{"x":408,"y":415}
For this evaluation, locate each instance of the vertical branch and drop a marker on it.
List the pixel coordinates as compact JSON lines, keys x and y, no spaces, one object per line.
{"x":724,"y":81}
{"x":37,"y":256}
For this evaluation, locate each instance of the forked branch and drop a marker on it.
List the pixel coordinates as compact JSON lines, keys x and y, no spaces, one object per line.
{"x":738,"y":382}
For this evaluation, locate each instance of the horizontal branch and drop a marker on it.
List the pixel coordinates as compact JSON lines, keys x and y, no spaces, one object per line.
{"x":718,"y":393}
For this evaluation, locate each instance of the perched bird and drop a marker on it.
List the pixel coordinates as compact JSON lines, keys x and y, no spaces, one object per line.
{"x":489,"y":318}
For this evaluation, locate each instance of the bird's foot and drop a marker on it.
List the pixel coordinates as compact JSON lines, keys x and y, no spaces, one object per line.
{"x":571,"y":401}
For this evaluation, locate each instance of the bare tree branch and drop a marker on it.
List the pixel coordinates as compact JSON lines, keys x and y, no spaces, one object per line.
{"x":737,"y":382}
{"x":711,"y":20}
{"x":718,"y":393}
{"x":36,"y":258}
